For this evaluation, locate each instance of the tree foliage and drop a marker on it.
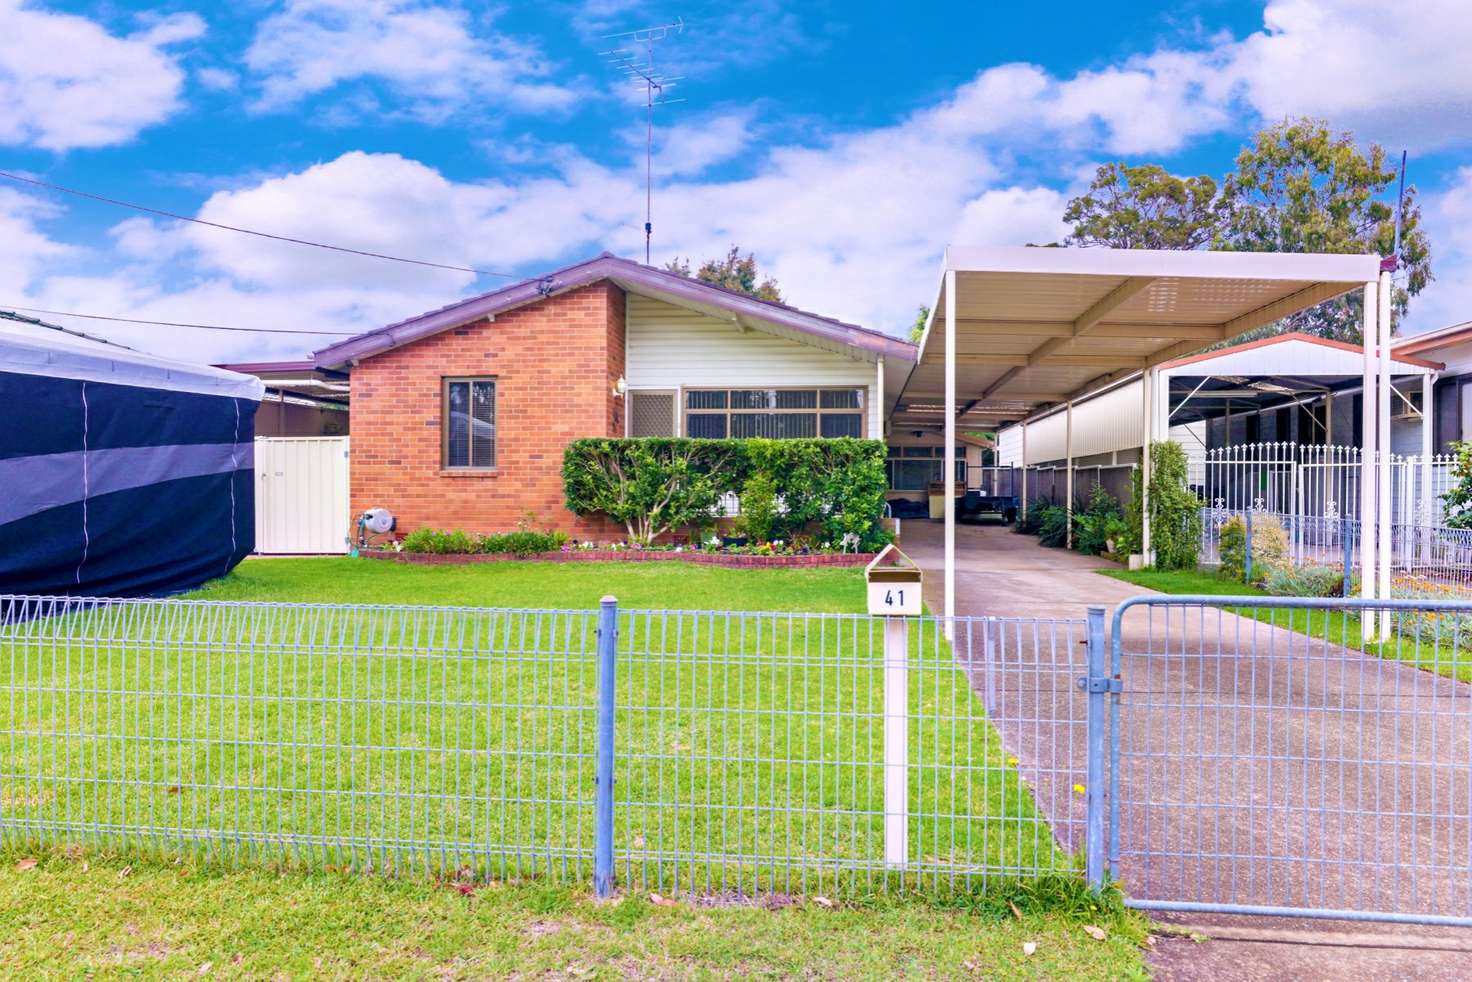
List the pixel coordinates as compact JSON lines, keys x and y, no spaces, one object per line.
{"x":1299,"y":187}
{"x":917,"y":329}
{"x":1144,"y":207}
{"x":1304,"y":188}
{"x":1175,"y":512}
{"x":650,"y":486}
{"x":732,"y":271}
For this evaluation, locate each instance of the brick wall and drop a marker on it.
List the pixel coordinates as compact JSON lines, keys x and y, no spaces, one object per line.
{"x":555,"y":363}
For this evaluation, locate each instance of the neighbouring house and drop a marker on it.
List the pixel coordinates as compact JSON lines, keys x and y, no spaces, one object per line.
{"x":300,"y":399}
{"x":460,"y":416}
{"x":121,"y":473}
{"x":1452,"y":392}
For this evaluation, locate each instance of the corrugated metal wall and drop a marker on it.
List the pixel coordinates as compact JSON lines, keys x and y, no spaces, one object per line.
{"x":302,"y":495}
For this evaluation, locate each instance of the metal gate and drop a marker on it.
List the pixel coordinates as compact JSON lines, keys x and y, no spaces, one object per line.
{"x":1268,"y":759}
{"x":302,"y":495}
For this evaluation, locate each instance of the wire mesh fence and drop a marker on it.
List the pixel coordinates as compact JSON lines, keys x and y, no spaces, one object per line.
{"x":749,"y":752}
{"x":1294,"y":756}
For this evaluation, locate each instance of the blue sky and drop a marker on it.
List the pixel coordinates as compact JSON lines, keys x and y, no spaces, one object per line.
{"x":846,"y":144}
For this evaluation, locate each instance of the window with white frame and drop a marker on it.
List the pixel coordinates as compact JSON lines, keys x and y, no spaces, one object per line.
{"x":468,"y":424}
{"x":785,"y":413}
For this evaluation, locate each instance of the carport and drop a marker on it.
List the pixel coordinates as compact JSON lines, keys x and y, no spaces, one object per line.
{"x":1013,"y":330}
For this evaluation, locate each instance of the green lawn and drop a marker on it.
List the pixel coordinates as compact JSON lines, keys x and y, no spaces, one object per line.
{"x":1431,"y":643}
{"x":105,"y":917}
{"x":319,"y":737}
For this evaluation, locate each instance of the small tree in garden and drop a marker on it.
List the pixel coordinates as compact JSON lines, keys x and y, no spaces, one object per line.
{"x":758,"y":507}
{"x":651,"y":486}
{"x":1458,"y":499}
{"x":1175,"y":512}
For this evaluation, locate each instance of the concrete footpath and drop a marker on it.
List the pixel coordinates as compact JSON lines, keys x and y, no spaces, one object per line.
{"x":1259,"y":765}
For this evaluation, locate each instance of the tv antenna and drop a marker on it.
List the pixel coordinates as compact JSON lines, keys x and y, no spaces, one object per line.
{"x":634,"y":59}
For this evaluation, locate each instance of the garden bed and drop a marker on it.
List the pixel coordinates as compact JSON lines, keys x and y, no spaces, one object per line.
{"x":733,"y":560}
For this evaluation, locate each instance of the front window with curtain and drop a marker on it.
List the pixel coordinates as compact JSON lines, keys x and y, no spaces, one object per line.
{"x":468,"y":422}
{"x":774,"y":413}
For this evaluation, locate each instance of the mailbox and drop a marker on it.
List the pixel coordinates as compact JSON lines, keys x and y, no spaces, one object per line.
{"x":894,"y":584}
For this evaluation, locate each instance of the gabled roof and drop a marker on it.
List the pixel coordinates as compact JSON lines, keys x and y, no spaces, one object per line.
{"x":1331,"y":364}
{"x":764,"y":315}
{"x":1432,"y":340}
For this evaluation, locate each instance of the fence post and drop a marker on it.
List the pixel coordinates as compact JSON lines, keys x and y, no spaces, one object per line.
{"x":896,"y":742}
{"x":1348,"y":554}
{"x":603,"y":749}
{"x":1097,"y":684}
{"x":1247,"y":559}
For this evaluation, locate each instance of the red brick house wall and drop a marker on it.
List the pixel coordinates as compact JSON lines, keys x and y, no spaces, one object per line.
{"x":555,"y":363}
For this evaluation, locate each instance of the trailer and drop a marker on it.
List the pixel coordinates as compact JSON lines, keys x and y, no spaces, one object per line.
{"x":991,"y":491}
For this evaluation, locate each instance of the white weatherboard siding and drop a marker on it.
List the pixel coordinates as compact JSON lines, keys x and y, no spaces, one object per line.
{"x":669,"y":347}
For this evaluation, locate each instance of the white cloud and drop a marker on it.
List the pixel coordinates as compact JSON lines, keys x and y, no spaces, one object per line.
{"x":1388,"y":73}
{"x":1448,"y":220}
{"x":429,"y":56}
{"x":65,"y":82}
{"x":26,"y":251}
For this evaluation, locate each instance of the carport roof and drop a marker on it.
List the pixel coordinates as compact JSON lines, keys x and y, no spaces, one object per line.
{"x":1036,"y":326}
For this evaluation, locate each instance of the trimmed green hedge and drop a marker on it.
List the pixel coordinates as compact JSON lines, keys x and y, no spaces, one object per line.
{"x":524,"y":542}
{"x":657,"y":485}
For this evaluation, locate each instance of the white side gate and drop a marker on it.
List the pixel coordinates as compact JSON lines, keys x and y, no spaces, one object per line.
{"x":302,"y":494}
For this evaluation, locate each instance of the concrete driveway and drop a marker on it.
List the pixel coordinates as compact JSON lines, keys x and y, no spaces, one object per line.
{"x":1258,"y":765}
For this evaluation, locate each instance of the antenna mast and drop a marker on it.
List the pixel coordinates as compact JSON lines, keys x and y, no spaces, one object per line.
{"x":635,"y":60}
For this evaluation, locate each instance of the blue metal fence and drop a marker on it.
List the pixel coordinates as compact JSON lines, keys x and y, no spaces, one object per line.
{"x":1242,"y":754}
{"x":1310,"y":757}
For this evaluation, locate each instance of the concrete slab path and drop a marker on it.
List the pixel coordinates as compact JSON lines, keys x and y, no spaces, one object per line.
{"x":1349,"y":784}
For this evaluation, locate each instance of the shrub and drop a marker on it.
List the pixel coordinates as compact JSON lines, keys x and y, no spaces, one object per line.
{"x":655,"y":485}
{"x":439,"y":542}
{"x":758,"y":508}
{"x":1031,"y":520}
{"x":1175,"y":512}
{"x":1305,"y":581}
{"x":1092,"y":522}
{"x":1458,"y":498}
{"x":1269,"y":548}
{"x":524,"y":542}
{"x":1232,"y":548}
{"x":650,"y":485}
{"x":1053,"y":526}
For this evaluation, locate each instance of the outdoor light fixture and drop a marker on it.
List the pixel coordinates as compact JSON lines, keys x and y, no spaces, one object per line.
{"x":620,"y":387}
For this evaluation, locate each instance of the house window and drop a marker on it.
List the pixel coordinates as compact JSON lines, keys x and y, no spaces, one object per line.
{"x":774,"y":413}
{"x":468,"y":424}
{"x":914,"y":468}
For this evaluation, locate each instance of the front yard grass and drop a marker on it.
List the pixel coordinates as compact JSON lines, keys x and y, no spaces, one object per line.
{"x":109,"y":917}
{"x":1442,"y":652}
{"x":523,"y":781}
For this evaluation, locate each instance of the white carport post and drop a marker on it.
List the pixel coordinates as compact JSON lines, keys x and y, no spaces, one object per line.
{"x":1428,"y":446}
{"x":1386,"y":393}
{"x":950,"y":453}
{"x":1368,"y":420}
{"x":1147,"y":426}
{"x":1022,"y":511}
{"x":1068,"y":473}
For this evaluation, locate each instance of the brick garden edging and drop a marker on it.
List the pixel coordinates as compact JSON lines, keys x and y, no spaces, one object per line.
{"x":623,"y":556}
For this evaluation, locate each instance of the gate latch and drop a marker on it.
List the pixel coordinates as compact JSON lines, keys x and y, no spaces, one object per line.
{"x":1100,"y":684}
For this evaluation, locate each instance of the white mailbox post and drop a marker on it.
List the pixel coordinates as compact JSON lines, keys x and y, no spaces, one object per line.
{"x":894,"y":593}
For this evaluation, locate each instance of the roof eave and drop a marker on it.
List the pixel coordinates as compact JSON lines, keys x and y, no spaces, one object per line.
{"x":626,"y":274}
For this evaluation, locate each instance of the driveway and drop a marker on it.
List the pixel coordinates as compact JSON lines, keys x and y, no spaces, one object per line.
{"x":1258,"y":765}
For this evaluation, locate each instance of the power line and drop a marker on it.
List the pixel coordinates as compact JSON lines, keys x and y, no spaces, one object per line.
{"x":249,"y":231}
{"x":202,"y":327}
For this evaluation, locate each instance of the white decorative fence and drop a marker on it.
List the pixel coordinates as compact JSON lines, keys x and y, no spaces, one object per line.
{"x":1313,"y":492}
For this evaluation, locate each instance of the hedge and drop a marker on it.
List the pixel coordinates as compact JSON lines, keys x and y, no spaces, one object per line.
{"x":657,"y":485}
